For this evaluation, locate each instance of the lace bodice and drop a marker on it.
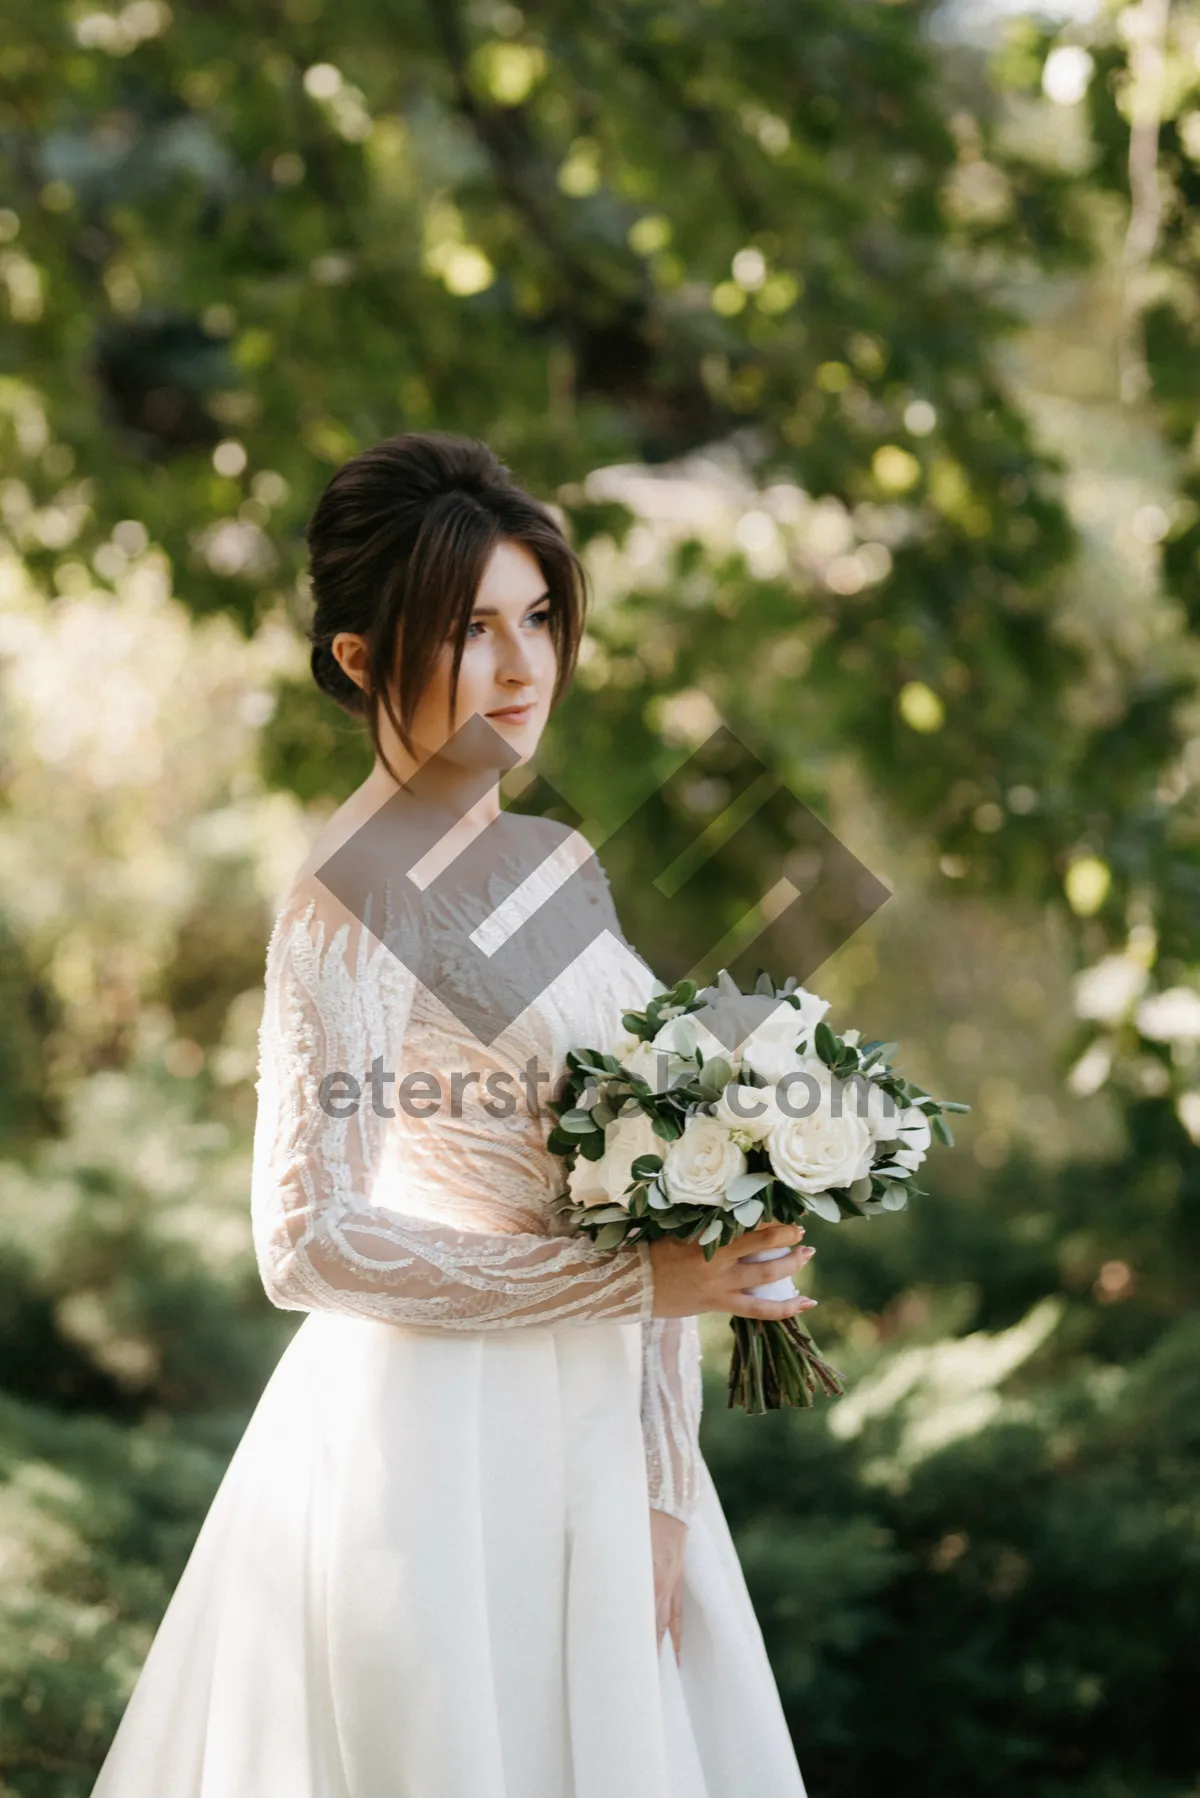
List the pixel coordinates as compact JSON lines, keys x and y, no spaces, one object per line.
{"x":400,"y":1165}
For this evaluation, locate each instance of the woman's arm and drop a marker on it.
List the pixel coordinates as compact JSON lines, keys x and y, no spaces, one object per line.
{"x":671,"y":1400}
{"x":335,"y":998}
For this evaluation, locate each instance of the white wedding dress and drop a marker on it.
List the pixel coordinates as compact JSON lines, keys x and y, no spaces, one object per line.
{"x":427,"y":1570}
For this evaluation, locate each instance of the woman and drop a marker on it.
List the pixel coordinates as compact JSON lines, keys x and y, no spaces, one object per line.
{"x":467,"y":1546}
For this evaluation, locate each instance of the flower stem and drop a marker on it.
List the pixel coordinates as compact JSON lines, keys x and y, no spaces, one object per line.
{"x":775,"y":1364}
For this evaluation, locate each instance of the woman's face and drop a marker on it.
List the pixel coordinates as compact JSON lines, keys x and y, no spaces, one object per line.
{"x":509,"y":661}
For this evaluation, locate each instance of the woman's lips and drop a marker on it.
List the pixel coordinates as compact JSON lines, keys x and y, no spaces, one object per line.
{"x":514,"y":714}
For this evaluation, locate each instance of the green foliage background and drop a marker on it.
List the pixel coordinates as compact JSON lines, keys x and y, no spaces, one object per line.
{"x":856,"y":344}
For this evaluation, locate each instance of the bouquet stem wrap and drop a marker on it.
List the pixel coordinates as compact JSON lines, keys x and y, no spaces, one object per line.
{"x":776,"y":1363}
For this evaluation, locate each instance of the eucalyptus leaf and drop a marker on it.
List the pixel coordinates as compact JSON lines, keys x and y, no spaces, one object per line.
{"x":610,"y":1236}
{"x":711,"y":1232}
{"x":749,"y":1213}
{"x":744,"y":1186}
{"x":893,"y":1198}
{"x":717,"y":1074}
{"x":579,"y":1123}
{"x":823,"y":1205}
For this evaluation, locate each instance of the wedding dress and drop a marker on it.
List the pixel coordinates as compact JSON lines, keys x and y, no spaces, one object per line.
{"x":427,"y":1570}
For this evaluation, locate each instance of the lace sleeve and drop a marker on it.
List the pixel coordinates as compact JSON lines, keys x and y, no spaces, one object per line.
{"x":671,"y":1399}
{"x":337,"y":997}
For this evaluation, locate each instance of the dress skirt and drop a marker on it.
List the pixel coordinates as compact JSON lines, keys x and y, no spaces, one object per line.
{"x":426,"y":1573}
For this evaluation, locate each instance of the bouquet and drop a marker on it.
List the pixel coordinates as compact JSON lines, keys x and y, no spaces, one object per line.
{"x":670,"y":1133}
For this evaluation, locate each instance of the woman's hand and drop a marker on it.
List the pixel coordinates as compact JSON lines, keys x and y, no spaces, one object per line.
{"x":685,"y":1283}
{"x":668,"y":1539}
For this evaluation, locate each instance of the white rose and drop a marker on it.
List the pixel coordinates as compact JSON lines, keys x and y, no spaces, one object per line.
{"x":771,"y":1048}
{"x":603,"y":1182}
{"x":700,"y":1164}
{"x":915,"y":1137}
{"x":882,"y":1112}
{"x":793,"y":1087}
{"x":745,"y":1110}
{"x":813,"y":1153}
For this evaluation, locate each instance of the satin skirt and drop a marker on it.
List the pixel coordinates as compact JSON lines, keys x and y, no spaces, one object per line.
{"x":427,"y":1574}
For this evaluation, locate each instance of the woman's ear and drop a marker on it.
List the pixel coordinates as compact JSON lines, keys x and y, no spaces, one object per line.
{"x":351,"y":652}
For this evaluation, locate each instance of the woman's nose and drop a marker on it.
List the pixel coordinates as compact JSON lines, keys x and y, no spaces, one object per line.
{"x":515,"y":661}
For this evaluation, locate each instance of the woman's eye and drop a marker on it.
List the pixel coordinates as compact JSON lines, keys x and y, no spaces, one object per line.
{"x":542,"y":617}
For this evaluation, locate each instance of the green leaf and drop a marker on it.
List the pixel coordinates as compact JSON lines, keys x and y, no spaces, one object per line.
{"x":824,"y":1205}
{"x":826,"y":1042}
{"x":749,"y":1213}
{"x":610,"y":1236}
{"x":893,"y":1198}
{"x":744,"y":1186}
{"x":716,"y":1074}
{"x":606,"y":1214}
{"x":646,"y":1166}
{"x":712,"y":1231}
{"x":942,"y":1131}
{"x":577,"y":1122}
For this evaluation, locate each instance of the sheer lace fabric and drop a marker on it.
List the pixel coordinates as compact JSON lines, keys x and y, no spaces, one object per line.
{"x":420,"y":1190}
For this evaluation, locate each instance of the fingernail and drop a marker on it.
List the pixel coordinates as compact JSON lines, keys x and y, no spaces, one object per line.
{"x":808,"y":1254}
{"x":807,"y":1304}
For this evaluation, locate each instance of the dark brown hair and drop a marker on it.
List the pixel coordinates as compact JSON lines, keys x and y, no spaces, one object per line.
{"x":398,"y":545}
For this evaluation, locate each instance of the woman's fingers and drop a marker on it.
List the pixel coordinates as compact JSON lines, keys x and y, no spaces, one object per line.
{"x":760,"y":1273}
{"x":772,"y":1308}
{"x":766,"y":1236}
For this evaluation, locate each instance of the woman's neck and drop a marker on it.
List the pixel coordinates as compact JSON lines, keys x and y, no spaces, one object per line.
{"x":439,"y":788}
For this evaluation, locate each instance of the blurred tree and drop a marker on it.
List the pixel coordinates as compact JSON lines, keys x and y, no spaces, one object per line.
{"x":733,"y":287}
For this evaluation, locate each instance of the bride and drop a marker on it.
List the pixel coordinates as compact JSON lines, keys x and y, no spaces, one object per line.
{"x":467,"y":1546}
